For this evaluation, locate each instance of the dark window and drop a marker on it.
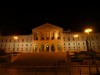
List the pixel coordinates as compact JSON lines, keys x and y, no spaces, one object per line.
{"x":78,"y":43}
{"x":68,"y":39}
{"x":10,"y":40}
{"x":73,"y":39}
{"x":98,"y":47}
{"x":96,"y":37}
{"x":36,"y":38}
{"x":52,"y":38}
{"x":59,"y":38}
{"x":42,"y":38}
{"x":2,"y":40}
{"x":82,"y":38}
{"x":5,"y":40}
{"x":26,"y":44}
{"x":47,"y":38}
{"x":98,"y":43}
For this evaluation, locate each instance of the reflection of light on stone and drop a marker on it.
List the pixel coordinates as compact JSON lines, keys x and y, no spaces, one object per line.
{"x":56,"y":35}
{"x":47,"y":46}
{"x":15,"y":37}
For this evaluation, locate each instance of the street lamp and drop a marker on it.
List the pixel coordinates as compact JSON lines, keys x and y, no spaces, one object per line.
{"x":88,"y":43}
{"x":88,"y":30}
{"x":76,"y":36}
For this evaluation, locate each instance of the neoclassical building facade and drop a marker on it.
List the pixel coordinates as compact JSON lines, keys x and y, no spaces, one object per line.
{"x":50,"y":38}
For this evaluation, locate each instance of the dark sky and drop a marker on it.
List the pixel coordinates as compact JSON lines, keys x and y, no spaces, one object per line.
{"x":23,"y":20}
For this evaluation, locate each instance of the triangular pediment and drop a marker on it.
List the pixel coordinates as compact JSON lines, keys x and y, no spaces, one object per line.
{"x":47,"y":26}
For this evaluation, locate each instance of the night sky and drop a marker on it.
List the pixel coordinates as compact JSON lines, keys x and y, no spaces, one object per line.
{"x":22,"y":20}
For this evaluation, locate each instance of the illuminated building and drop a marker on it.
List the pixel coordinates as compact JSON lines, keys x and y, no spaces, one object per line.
{"x":49,"y":38}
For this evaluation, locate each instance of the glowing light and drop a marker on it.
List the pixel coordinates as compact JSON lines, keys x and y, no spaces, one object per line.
{"x":88,"y":30}
{"x":76,"y":35}
{"x":15,"y":37}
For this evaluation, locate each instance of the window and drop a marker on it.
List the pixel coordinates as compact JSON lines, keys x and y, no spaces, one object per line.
{"x":78,"y":43}
{"x":98,"y":43}
{"x":22,"y":40}
{"x":73,"y":39}
{"x":10,"y":40}
{"x":47,"y":38}
{"x":74,"y":48}
{"x":59,"y":38}
{"x":91,"y":37}
{"x":68,"y":39}
{"x":17,"y":49}
{"x":13,"y":49}
{"x":26,"y":44}
{"x":2,"y":40}
{"x":26,"y":40}
{"x":96,"y":37}
{"x":52,"y":38}
{"x":93,"y":43}
{"x":42,"y":38}
{"x":98,"y":47}
{"x":64,"y":43}
{"x":82,"y":38}
{"x":5,"y":40}
{"x":94,"y":47}
{"x":83,"y":43}
{"x":68,"y":43}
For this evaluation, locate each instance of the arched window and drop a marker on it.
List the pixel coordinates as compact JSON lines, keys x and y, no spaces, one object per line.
{"x":52,"y":48}
{"x":47,"y":48}
{"x":42,"y":48}
{"x":59,"y":48}
{"x":36,"y":47}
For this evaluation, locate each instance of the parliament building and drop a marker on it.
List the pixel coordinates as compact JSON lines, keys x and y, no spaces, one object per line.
{"x":50,"y":38}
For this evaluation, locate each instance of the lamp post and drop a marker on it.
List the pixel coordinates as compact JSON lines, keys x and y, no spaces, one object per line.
{"x":15,"y":38}
{"x":88,"y":39}
{"x":76,"y":36}
{"x":89,"y":48}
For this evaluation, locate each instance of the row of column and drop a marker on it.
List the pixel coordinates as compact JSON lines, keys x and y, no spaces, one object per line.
{"x":46,"y":35}
{"x":47,"y":48}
